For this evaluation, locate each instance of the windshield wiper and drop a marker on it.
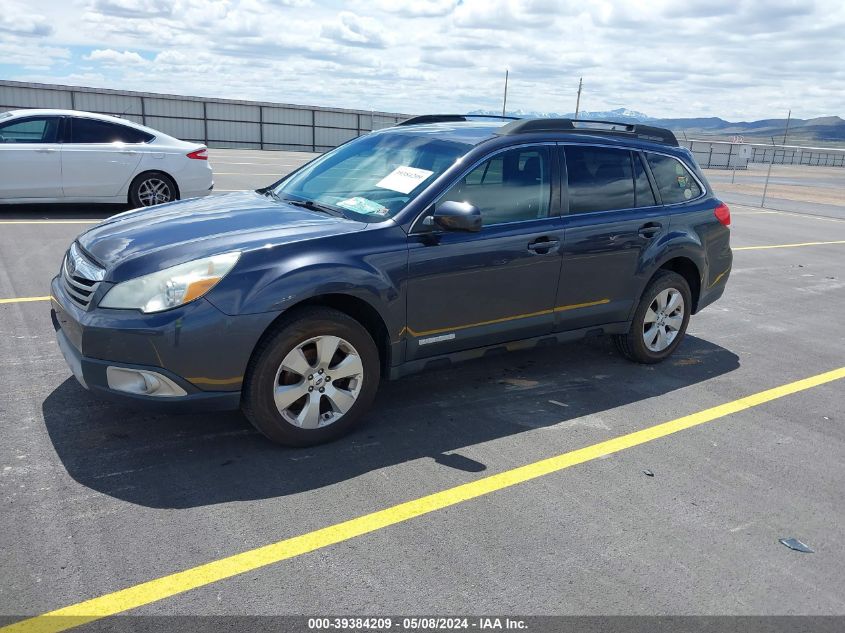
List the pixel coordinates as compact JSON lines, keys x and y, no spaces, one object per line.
{"x":312,"y":206}
{"x":269,"y":192}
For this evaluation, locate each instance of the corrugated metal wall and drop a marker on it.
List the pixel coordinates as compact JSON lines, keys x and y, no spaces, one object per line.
{"x":215,"y":122}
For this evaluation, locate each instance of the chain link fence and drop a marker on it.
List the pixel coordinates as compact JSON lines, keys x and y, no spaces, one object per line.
{"x":727,"y":155}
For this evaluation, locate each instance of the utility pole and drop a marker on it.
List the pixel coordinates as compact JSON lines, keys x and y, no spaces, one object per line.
{"x":505,"y":99}
{"x":786,"y":131}
{"x":578,"y":100}
{"x":768,"y":174}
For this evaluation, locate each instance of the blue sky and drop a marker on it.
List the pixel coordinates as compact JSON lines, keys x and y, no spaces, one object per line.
{"x":731,"y":58}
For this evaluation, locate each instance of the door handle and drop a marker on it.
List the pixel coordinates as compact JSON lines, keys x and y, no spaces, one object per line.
{"x":650,"y":229}
{"x":544,"y":245}
{"x":46,"y":150}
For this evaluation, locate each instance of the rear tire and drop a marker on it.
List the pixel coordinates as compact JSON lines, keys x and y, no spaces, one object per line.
{"x":660,"y":321}
{"x":152,"y":188}
{"x":311,"y":378}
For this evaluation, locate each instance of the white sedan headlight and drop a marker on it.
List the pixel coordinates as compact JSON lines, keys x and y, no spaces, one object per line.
{"x":170,"y":287}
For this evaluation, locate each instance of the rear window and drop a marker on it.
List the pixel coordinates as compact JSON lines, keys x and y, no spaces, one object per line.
{"x":599,"y":179}
{"x":675,"y":182}
{"x":94,"y":131}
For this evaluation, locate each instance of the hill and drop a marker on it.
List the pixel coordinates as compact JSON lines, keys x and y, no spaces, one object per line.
{"x":827,"y":130}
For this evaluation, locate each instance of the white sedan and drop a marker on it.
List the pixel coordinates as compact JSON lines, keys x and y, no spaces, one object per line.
{"x":72,"y":156}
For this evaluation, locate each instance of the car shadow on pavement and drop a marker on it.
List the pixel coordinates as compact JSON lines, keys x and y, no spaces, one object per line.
{"x":162,"y":460}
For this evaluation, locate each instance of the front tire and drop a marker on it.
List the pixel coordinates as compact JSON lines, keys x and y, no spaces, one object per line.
{"x":660,"y":321}
{"x":311,"y":378}
{"x":152,"y":188}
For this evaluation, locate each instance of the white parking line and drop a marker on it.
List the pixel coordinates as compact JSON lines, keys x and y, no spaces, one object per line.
{"x":242,"y":173}
{"x":50,"y":221}
{"x":223,"y":162}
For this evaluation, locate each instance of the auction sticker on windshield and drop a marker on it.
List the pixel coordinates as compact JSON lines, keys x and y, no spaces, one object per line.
{"x":363,"y":205}
{"x":403,"y":179}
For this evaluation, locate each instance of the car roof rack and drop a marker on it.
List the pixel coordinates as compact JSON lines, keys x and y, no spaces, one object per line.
{"x":452,"y":118}
{"x":586,"y":126}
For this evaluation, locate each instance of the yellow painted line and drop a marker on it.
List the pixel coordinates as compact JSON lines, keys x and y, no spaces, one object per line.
{"x":510,"y":318}
{"x":761,"y":248}
{"x":50,"y":221}
{"x":24,"y":299}
{"x":215,"y":571}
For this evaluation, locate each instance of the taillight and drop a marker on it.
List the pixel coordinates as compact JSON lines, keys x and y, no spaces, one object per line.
{"x":199,"y":154}
{"x":723,"y":214}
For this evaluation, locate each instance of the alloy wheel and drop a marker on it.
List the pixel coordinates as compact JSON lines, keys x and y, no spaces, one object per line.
{"x":318,"y":382}
{"x":663,"y":320}
{"x":154,"y":191}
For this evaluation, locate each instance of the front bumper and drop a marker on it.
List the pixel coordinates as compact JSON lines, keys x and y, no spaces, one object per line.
{"x":200,"y":349}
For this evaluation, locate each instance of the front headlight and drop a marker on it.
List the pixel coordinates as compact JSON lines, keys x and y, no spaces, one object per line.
{"x":170,"y":287}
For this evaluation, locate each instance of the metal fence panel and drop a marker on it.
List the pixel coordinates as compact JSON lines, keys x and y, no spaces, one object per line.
{"x":288,"y":134}
{"x":293,"y":116}
{"x":185,"y":129}
{"x":133,"y":117}
{"x":21,"y":97}
{"x":107,"y":103}
{"x":236,"y":145}
{"x":234,"y":131}
{"x":217,"y":122}
{"x":366,"y":121}
{"x":331,"y":137}
{"x":173,"y":108}
{"x":232,"y":112}
{"x":381,"y":121}
{"x":336,"y":119}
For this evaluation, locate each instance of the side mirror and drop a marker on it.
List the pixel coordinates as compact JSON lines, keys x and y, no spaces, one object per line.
{"x":455,"y":216}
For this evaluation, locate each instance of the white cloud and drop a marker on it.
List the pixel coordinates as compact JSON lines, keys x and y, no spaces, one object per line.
{"x":110,"y":57}
{"x":418,"y":8}
{"x":740,"y":59}
{"x":507,"y":14}
{"x":18,"y":20}
{"x":356,"y":30}
{"x":134,"y":8}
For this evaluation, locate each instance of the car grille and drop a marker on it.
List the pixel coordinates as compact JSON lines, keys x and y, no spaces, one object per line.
{"x":80,"y":277}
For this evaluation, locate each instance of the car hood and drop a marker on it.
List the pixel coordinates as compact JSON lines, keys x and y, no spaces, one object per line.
{"x":145,"y":240}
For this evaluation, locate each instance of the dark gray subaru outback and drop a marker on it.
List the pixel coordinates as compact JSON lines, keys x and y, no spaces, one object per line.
{"x":434,"y":241}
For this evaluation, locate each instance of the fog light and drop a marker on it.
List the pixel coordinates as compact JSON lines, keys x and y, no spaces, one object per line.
{"x":142,"y":382}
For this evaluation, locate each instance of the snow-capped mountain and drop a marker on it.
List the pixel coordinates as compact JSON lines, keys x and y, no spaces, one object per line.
{"x":619,"y":114}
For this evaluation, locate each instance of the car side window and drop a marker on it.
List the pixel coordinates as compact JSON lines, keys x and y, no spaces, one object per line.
{"x":512,"y":186}
{"x":94,"y":131}
{"x":599,"y":179}
{"x":31,"y":130}
{"x":674,"y":181}
{"x":645,"y":196}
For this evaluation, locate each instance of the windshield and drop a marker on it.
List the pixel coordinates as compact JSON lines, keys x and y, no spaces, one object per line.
{"x":374,"y":176}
